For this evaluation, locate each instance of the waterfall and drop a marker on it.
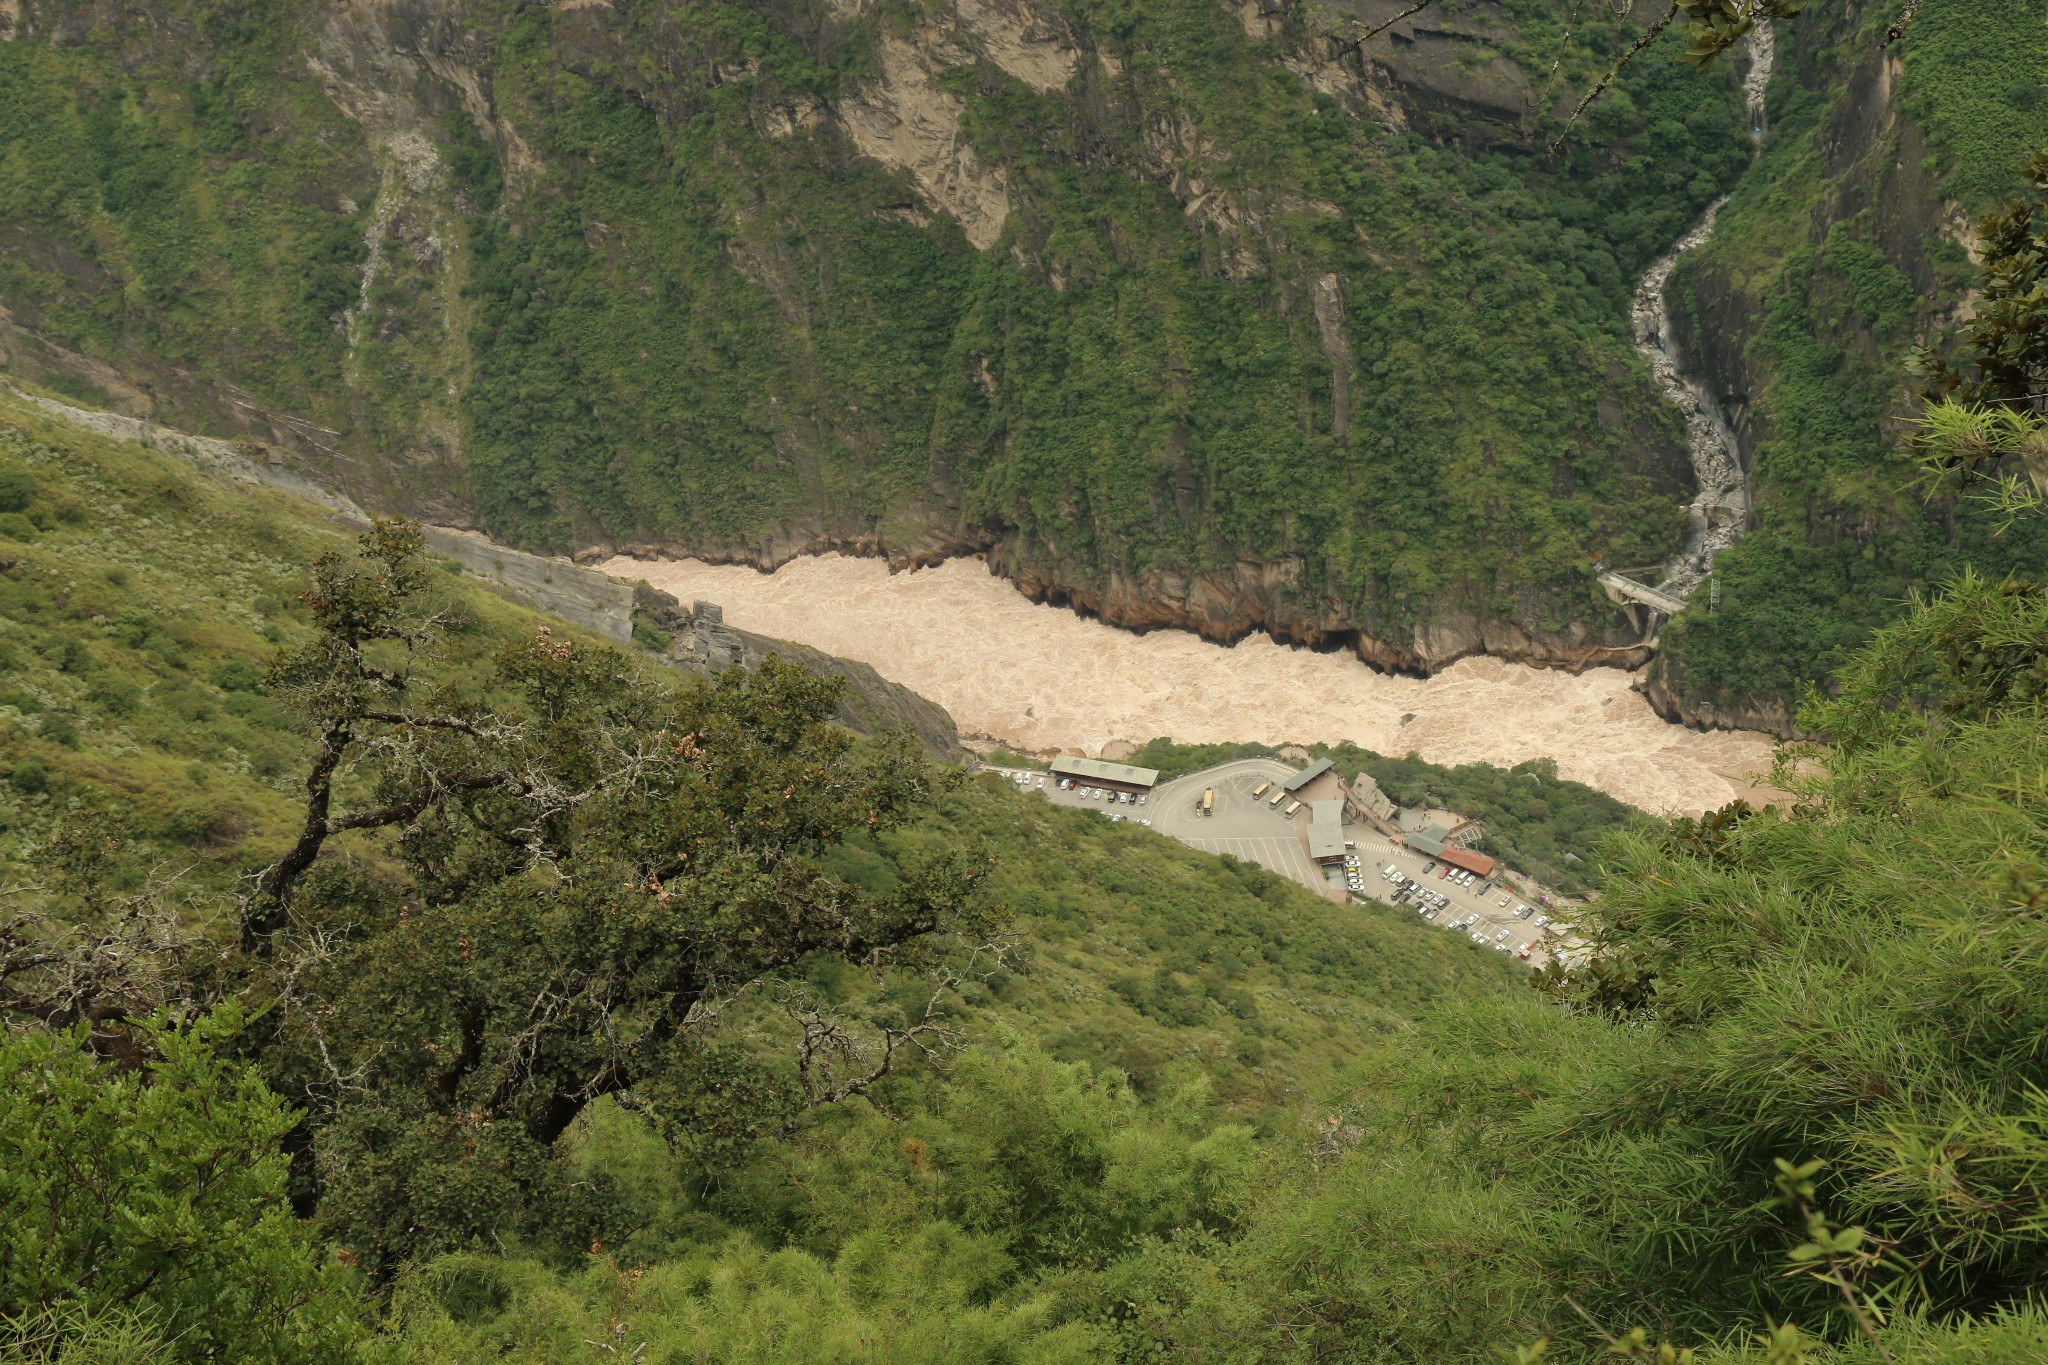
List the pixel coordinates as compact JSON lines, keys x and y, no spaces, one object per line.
{"x":1720,"y":509}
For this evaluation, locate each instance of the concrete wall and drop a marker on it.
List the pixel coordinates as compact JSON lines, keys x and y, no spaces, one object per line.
{"x":590,"y":599}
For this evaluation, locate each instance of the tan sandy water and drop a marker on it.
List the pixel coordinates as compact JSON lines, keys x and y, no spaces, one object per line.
{"x":1038,"y":677}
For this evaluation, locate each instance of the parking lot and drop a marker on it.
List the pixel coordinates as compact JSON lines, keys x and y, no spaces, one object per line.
{"x":1461,"y":901}
{"x":1250,"y":828}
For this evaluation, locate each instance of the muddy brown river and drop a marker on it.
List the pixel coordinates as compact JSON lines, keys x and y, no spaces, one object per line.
{"x":1040,"y":678}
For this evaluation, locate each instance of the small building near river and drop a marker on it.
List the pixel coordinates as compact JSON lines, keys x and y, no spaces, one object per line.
{"x":1326,"y":831}
{"x":1116,"y":777}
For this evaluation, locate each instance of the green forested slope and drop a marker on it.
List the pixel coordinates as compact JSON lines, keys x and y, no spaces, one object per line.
{"x":1840,"y":254}
{"x":635,"y":283}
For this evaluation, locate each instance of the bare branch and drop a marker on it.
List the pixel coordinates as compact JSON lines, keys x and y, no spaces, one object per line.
{"x":1377,"y":29}
{"x":1643,"y":40}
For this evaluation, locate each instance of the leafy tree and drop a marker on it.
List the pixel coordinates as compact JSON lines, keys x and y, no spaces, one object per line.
{"x":143,"y":1212}
{"x":1987,"y":417}
{"x":593,"y":865}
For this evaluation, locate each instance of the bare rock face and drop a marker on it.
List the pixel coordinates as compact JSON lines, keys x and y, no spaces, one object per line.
{"x":907,"y":120}
{"x":1030,"y":43}
{"x":1772,"y":715}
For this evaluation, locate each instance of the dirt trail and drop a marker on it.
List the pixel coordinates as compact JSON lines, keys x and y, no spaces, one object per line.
{"x":1039,"y":677}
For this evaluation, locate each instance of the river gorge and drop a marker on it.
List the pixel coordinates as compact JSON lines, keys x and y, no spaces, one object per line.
{"x":1039,"y":678}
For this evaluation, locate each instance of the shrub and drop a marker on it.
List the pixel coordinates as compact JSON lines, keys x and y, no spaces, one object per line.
{"x":29,"y":777}
{"x":60,"y":730}
{"x":204,"y":820}
{"x":238,"y":674}
{"x":114,"y":694}
{"x":15,"y":526}
{"x":17,"y":490}
{"x":166,"y":1190}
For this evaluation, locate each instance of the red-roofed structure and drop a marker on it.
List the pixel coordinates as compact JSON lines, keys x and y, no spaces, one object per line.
{"x":1476,"y":863}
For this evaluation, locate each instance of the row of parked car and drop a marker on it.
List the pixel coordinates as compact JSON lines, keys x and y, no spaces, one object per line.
{"x":1406,"y":887}
{"x":1100,"y":793}
{"x":1429,"y":904}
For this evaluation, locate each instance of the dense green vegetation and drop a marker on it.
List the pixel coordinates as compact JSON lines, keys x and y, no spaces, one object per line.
{"x":1536,"y":822}
{"x":1196,"y":1003}
{"x":1190,"y":1112}
{"x":1844,"y":532}
{"x":661,"y":321}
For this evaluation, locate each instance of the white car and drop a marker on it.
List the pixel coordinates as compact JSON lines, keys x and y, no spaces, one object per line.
{"x":1505,"y":901}
{"x":1539,"y":921}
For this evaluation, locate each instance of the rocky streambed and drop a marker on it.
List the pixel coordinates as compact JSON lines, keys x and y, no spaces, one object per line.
{"x":1720,"y":509}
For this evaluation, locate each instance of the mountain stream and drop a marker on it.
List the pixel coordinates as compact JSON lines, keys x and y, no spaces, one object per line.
{"x":1720,"y":509}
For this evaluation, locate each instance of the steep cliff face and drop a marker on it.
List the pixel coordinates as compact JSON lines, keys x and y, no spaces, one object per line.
{"x":1844,"y":249}
{"x":1212,"y":317}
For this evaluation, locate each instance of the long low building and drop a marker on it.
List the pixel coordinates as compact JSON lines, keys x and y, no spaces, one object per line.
{"x":1326,"y":831}
{"x":1307,"y":775}
{"x":1432,"y":843}
{"x":1116,"y":777}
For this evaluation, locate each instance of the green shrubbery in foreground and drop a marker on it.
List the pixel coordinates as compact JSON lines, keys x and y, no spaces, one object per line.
{"x":1193,"y":1114}
{"x":1846,"y":986}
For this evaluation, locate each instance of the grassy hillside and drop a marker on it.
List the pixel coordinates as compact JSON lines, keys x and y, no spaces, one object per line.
{"x":1195,"y":1114}
{"x":1156,"y":1005}
{"x":623,"y":301}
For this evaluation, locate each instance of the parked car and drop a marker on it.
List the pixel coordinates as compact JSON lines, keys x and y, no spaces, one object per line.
{"x":1523,"y":912}
{"x":1504,"y":901}
{"x":1501,"y":937}
{"x":1541,"y":920}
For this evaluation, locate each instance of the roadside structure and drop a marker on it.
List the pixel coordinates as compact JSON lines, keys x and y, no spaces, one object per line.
{"x":1478,"y":864}
{"x":1326,"y":832}
{"x":1372,"y":803}
{"x":1307,"y":775}
{"x":1116,"y":777}
{"x":1434,"y":841}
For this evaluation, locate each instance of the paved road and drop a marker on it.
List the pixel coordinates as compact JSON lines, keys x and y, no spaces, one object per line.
{"x":1241,"y":824}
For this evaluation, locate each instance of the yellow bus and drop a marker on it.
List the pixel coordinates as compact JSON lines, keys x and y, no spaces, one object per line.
{"x":1261,"y":790}
{"x":1278,"y":797}
{"x":1208,"y":800}
{"x":1292,"y":806}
